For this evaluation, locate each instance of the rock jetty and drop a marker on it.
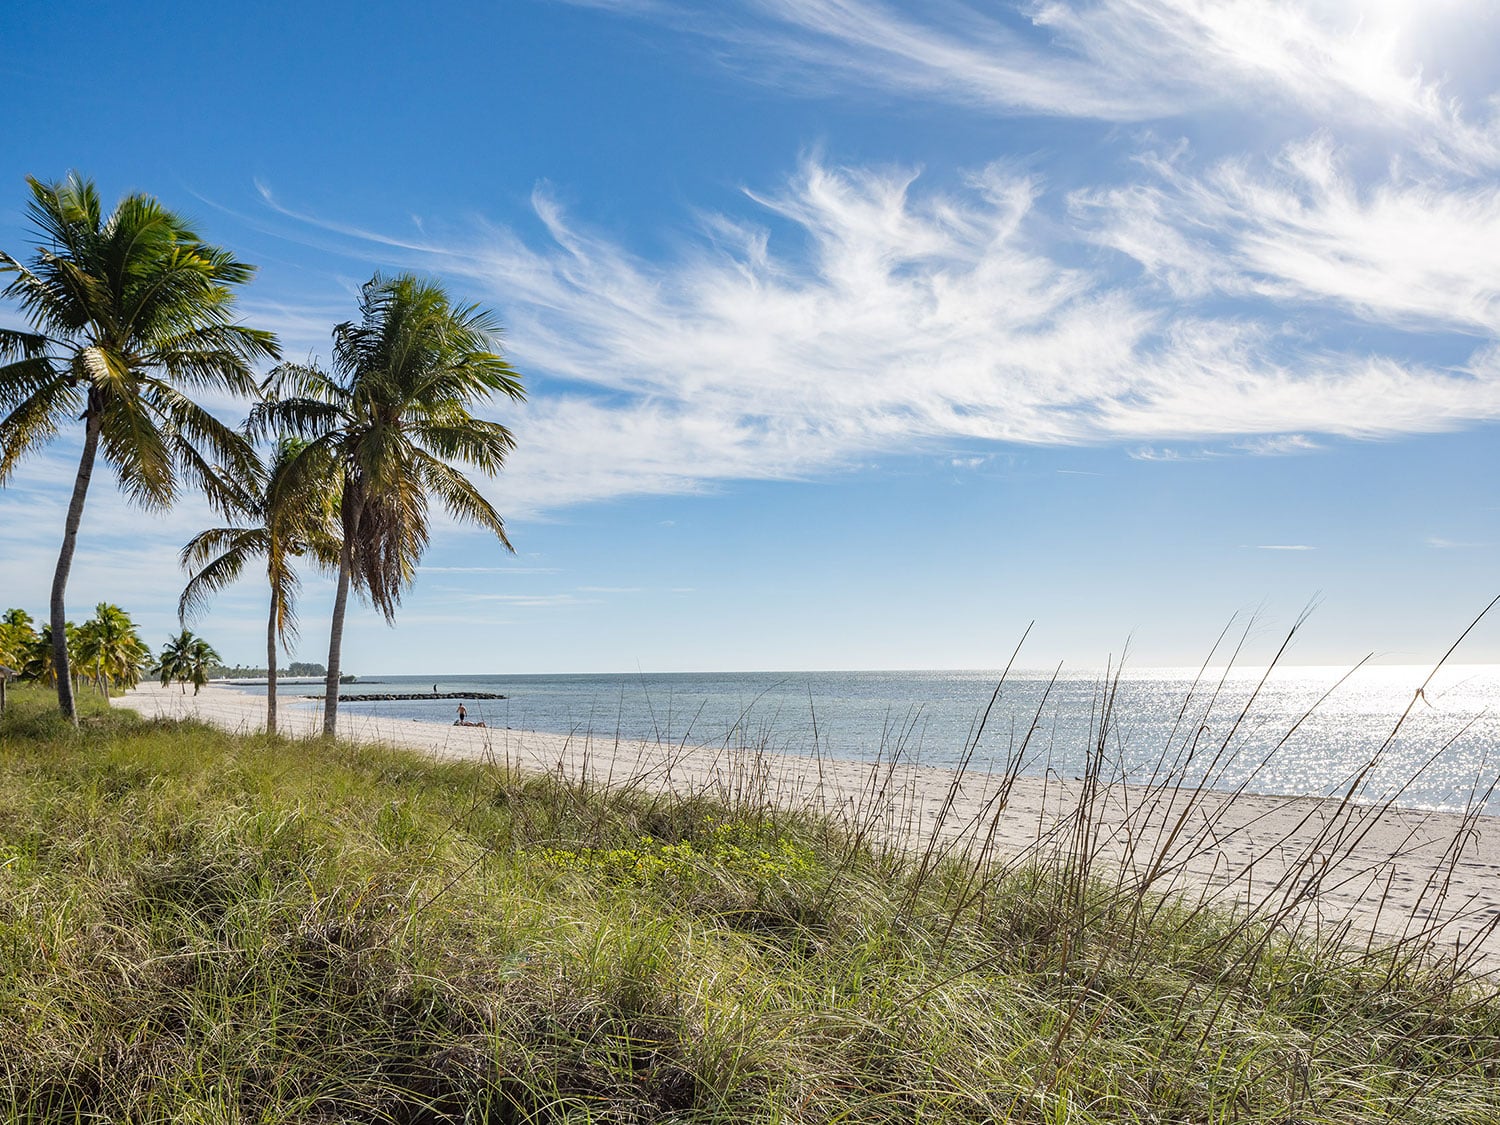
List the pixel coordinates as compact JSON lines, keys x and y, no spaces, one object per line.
{"x":395,"y":697}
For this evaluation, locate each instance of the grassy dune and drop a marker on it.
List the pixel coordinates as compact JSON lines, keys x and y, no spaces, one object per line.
{"x":201,"y":927}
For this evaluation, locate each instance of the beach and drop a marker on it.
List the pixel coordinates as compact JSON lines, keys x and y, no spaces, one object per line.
{"x":1362,"y":874}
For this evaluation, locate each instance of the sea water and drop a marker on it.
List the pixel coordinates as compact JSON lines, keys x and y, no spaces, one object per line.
{"x":1302,"y":731}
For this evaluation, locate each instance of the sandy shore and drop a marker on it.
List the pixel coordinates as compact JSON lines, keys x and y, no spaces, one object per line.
{"x":1389,"y":873}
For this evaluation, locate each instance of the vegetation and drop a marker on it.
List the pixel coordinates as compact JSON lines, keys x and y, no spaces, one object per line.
{"x":392,"y":416}
{"x":131,"y":316}
{"x":201,"y":927}
{"x":186,"y":659}
{"x":17,"y":636}
{"x":246,"y":672}
{"x":285,"y":520}
{"x":131,"y":325}
{"x":110,"y":648}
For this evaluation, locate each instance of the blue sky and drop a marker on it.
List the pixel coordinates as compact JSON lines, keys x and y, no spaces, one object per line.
{"x":857,"y":335}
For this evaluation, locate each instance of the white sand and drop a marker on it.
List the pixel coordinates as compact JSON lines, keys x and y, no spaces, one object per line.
{"x":1363,"y":870}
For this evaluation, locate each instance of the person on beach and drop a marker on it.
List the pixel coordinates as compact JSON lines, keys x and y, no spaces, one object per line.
{"x":463,"y":715}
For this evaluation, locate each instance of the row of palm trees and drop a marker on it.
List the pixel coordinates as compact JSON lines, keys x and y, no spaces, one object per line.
{"x":106,"y":650}
{"x":131,"y":323}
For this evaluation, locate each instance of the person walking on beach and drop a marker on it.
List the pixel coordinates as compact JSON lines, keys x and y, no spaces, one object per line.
{"x":463,"y":715}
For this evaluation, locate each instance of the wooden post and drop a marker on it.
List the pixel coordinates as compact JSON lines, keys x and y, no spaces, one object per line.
{"x":5,"y":675}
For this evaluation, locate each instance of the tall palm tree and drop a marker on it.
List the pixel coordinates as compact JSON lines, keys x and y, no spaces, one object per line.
{"x":131,"y":313}
{"x":110,"y":647}
{"x":282,"y":523}
{"x":392,"y":415}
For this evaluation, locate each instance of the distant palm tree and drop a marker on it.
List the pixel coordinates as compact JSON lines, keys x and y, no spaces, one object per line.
{"x":41,"y":659}
{"x":131,"y":312}
{"x":202,"y":659}
{"x":17,"y":635}
{"x":186,"y":659}
{"x":392,"y":415}
{"x":110,"y":647}
{"x":282,"y":523}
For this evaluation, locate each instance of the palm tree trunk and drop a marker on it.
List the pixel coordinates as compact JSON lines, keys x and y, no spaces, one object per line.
{"x":65,"y":704}
{"x":336,"y":643}
{"x":271,"y":667}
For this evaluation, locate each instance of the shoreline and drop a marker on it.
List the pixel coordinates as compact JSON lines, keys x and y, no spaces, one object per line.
{"x":1361,"y":870}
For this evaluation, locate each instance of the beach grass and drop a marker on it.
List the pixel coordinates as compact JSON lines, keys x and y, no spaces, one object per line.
{"x":198,"y":926}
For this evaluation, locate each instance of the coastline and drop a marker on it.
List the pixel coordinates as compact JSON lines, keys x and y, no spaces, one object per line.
{"x":1359,"y":871}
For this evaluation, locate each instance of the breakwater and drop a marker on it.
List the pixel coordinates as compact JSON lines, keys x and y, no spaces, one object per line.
{"x":396,"y":697}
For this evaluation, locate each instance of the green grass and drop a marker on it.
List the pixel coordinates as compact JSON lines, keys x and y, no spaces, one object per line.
{"x":200,"y":927}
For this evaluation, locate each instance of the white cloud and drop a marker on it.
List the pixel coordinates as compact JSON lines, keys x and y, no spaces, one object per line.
{"x":1125,"y":60}
{"x":530,"y":601}
{"x":1274,"y":445}
{"x":879,"y":318}
{"x":1406,"y":251}
{"x":1167,"y":453}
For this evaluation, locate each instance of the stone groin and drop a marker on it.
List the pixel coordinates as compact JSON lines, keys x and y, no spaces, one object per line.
{"x":394,"y":697}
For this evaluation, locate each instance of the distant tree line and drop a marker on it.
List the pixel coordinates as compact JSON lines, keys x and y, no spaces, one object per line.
{"x":242,"y":672}
{"x":132,"y":330}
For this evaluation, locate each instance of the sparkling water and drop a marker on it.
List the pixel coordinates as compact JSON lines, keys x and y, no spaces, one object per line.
{"x":1228,"y":730}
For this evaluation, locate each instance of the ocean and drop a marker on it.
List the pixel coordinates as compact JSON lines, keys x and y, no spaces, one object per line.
{"x":1281,"y":736}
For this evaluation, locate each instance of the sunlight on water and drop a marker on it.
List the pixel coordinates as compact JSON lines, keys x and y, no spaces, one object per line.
{"x":1289,"y":740}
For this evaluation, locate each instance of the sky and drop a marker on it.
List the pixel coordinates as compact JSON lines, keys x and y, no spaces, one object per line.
{"x":855,"y":334}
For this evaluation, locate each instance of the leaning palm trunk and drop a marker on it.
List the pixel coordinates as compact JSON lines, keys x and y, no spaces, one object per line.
{"x":62,"y":673}
{"x":271,"y":664}
{"x":336,"y":643}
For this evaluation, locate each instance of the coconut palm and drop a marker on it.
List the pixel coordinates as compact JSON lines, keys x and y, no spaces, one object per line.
{"x":110,"y":648}
{"x":131,"y":317}
{"x":282,"y":523}
{"x":41,"y":663}
{"x":17,"y":635}
{"x":202,"y":659}
{"x":392,"y":415}
{"x":186,"y":659}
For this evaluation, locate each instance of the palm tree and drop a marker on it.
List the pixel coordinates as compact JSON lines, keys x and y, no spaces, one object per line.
{"x":131,"y":312}
{"x":109,"y":645}
{"x":17,"y":635}
{"x":283,"y":523}
{"x":392,"y":415}
{"x":186,"y":658}
{"x":41,"y":658}
{"x":201,"y":661}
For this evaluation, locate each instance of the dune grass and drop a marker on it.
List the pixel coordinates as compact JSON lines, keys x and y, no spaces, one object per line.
{"x":202,"y":927}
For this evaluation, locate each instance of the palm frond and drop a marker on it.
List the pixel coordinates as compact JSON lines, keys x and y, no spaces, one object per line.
{"x":34,"y":421}
{"x":475,"y":441}
{"x":133,"y":442}
{"x":218,"y":573}
{"x":301,"y":417}
{"x":212,"y":542}
{"x":462,"y":499}
{"x":216,"y":355}
{"x":22,"y":346}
